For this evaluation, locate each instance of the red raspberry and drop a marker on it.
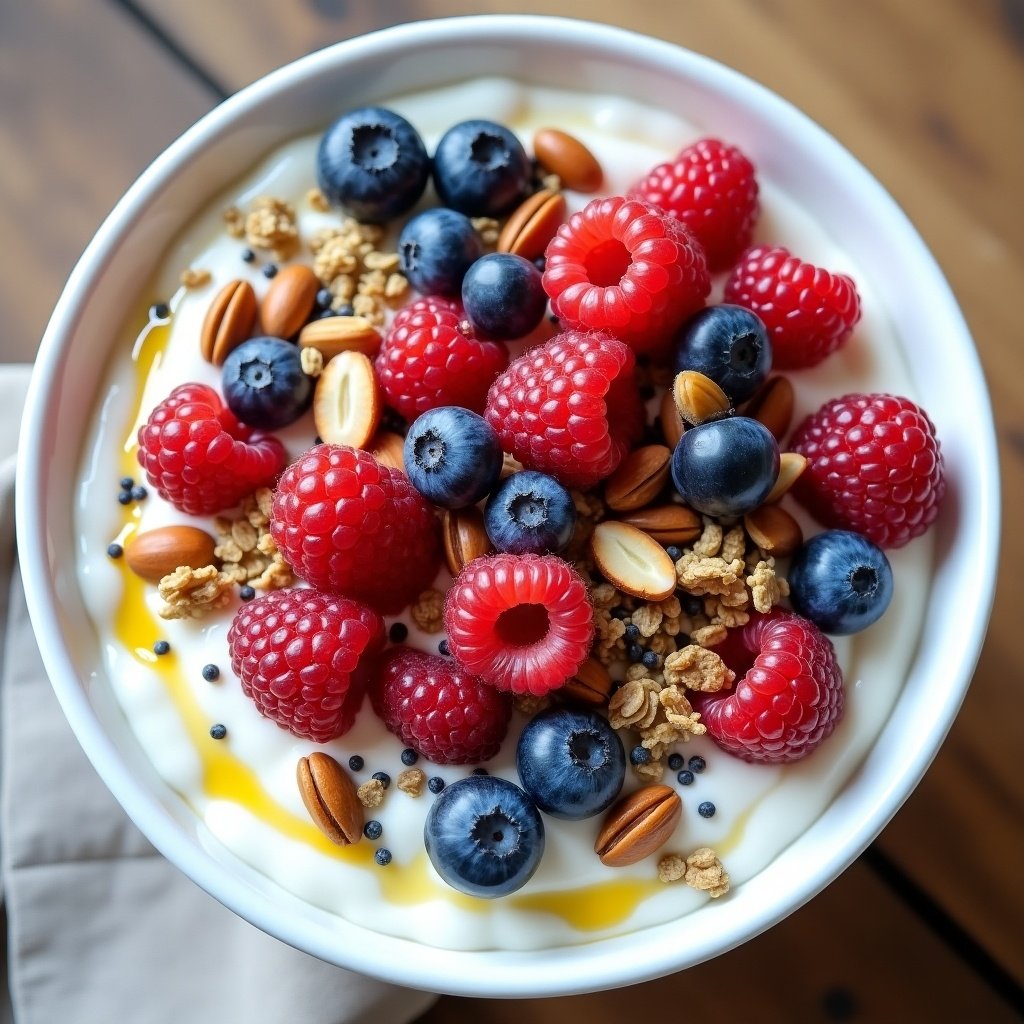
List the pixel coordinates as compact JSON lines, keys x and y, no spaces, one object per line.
{"x":875,"y":466}
{"x":712,"y":189}
{"x":431,"y":358}
{"x":305,"y":658}
{"x":349,"y":525}
{"x":520,"y":622}
{"x":199,"y":457}
{"x":809,"y":312}
{"x":623,"y":266}
{"x":790,"y":697}
{"x":569,"y":407}
{"x":436,"y":707}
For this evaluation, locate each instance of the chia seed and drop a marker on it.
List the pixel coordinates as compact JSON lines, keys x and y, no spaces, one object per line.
{"x":697,"y":764}
{"x":673,"y":552}
{"x":706,"y":809}
{"x":355,"y":763}
{"x":675,"y":762}
{"x":435,"y":783}
{"x":443,"y":649}
{"x":480,"y":771}
{"x":270,"y":270}
{"x":127,"y":483}
{"x":382,"y":857}
{"x":115,"y":550}
{"x":373,"y":829}
{"x":125,"y":497}
{"x":211,"y":673}
{"x":246,"y":593}
{"x":409,"y":756}
{"x":139,"y":493}
{"x":383,"y":778}
{"x":218,"y":731}
{"x":161,"y":647}
{"x":685,"y":778}
{"x":398,"y":633}
{"x":159,"y":311}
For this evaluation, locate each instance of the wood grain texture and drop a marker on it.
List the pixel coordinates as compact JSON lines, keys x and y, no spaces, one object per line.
{"x":88,"y":101}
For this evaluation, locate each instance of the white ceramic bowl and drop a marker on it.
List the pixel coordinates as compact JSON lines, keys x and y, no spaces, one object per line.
{"x":805,"y":162}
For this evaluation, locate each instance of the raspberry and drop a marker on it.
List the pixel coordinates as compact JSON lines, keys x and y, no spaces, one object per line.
{"x":305,"y":658}
{"x":438,"y":708}
{"x":874,"y":466}
{"x":711,"y":188}
{"x":809,"y":312}
{"x":520,"y":622}
{"x":199,"y":457}
{"x":569,"y":407}
{"x":790,"y":697}
{"x":431,"y":358}
{"x":349,"y":525}
{"x":623,"y":266}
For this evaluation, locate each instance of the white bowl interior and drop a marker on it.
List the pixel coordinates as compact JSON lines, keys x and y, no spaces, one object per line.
{"x":790,"y":149}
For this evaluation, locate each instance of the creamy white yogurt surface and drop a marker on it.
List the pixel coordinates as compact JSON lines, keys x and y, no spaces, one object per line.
{"x":243,"y":787}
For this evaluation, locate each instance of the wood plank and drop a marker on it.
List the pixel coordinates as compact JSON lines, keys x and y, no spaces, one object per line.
{"x":89,"y":100}
{"x":854,"y":953}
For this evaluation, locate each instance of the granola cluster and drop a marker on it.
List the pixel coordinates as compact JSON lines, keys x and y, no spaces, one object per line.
{"x":270,"y":225}
{"x":247,"y":550}
{"x":427,"y":611}
{"x":189,"y":593}
{"x":700,"y":870}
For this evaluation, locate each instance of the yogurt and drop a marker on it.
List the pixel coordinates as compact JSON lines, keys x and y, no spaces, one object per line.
{"x":243,"y":787}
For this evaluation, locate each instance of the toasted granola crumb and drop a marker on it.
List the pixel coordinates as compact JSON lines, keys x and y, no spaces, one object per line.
{"x":734,"y":545}
{"x":312,"y":362}
{"x":531,"y":705}
{"x":609,"y":633}
{"x":698,"y":668}
{"x":634,"y":704}
{"x":368,"y":306}
{"x":234,"y":222}
{"x":318,"y":201}
{"x":428,"y":611}
{"x":708,"y":574}
{"x":381,"y":261}
{"x":487,"y":228}
{"x":410,"y":781}
{"x":191,"y":593}
{"x":653,"y":771}
{"x":709,"y":636}
{"x":333,"y":256}
{"x":271,"y":225}
{"x":671,"y":868}
{"x":246,"y":548}
{"x":679,"y":714}
{"x":709,"y":543}
{"x":371,"y":793}
{"x":766,"y":589}
{"x":647,"y":618}
{"x":704,"y":871}
{"x":603,"y":596}
{"x":195,"y":277}
{"x":552,"y":182}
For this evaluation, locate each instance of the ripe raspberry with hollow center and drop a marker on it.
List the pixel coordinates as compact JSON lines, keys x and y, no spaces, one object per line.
{"x":522,"y":623}
{"x":788,"y":695}
{"x":304,"y":658}
{"x":623,"y":266}
{"x":349,"y":525}
{"x":874,"y":466}
{"x":569,"y":408}
{"x":200,"y":457}
{"x":435,"y":706}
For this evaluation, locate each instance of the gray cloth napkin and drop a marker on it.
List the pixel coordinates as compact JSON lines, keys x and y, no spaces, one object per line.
{"x":100,"y":927}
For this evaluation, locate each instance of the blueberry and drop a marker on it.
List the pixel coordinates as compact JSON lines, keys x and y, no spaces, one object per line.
{"x":127,"y":483}
{"x":114,"y":550}
{"x":435,"y":784}
{"x":248,"y":256}
{"x":355,"y":762}
{"x":730,"y":345}
{"x":383,"y":778}
{"x":530,"y":512}
{"x":398,"y":633}
{"x":639,"y":755}
{"x":443,"y":649}
{"x":452,"y":456}
{"x":270,"y":270}
{"x":409,"y":756}
{"x":635,"y":653}
{"x":697,"y":764}
{"x":436,"y":248}
{"x":632,"y":631}
{"x":264,"y":385}
{"x":706,"y":809}
{"x":675,"y":762}
{"x":373,"y":163}
{"x":841,"y":581}
{"x":481,"y":169}
{"x":382,"y":857}
{"x":726,"y":467}
{"x":246,"y":593}
{"x":685,"y":778}
{"x":571,"y":762}
{"x":673,"y":552}
{"x":651,"y":660}
{"x":503,"y":296}
{"x":161,"y":647}
{"x":124,"y":497}
{"x":218,"y":732}
{"x":159,"y":311}
{"x":139,"y":493}
{"x":484,"y":836}
{"x":324,"y":298}
{"x":211,"y":673}
{"x":373,"y":830}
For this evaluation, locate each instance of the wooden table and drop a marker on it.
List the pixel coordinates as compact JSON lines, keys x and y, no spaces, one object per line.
{"x":929,"y":924}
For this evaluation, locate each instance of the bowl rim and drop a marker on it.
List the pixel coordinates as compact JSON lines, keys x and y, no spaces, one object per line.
{"x":461,"y":974}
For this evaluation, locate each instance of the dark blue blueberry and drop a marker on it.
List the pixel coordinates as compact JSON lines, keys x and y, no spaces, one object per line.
{"x":675,"y":762}
{"x":127,"y":483}
{"x":355,"y":762}
{"x":324,"y":298}
{"x":697,"y":764}
{"x":685,"y":778}
{"x":530,"y":512}
{"x":409,"y":756}
{"x":726,"y":467}
{"x":383,"y":778}
{"x":639,"y":755}
{"x":632,"y":631}
{"x":326,"y":314}
{"x":246,"y":593}
{"x":692,"y":604}
{"x":161,"y":647}
{"x":435,"y":783}
{"x":115,"y":550}
{"x":730,"y":345}
{"x":481,"y":169}
{"x":218,"y":732}
{"x":571,"y":762}
{"x":347,"y":310}
{"x":481,"y":771}
{"x":503,"y":296}
{"x":452,"y":456}
{"x":264,"y":385}
{"x":443,"y":649}
{"x":484,"y":836}
{"x":382,"y":857}
{"x":651,"y":660}
{"x":125,"y":497}
{"x":706,"y":809}
{"x":398,"y":633}
{"x":436,"y":248}
{"x":270,"y":270}
{"x":248,"y":256}
{"x":139,"y":493}
{"x":373,"y":163}
{"x":635,"y":653}
{"x":673,"y":552}
{"x":373,"y":830}
{"x":159,"y":311}
{"x":211,"y":673}
{"x":841,"y":581}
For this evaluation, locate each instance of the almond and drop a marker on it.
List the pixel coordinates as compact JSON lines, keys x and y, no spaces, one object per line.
{"x":638,"y":825}
{"x":155,"y":553}
{"x":336,"y":334}
{"x":346,"y":403}
{"x":667,"y":524}
{"x":388,"y":449}
{"x":698,"y":398}
{"x":330,"y":797}
{"x":632,"y":561}
{"x":773,"y":406}
{"x":669,"y":420}
{"x":592,"y":685}
{"x":289,"y":301}
{"x":563,"y":154}
{"x":791,"y":465}
{"x":464,"y":537}
{"x":229,"y":321}
{"x":774,"y":530}
{"x":639,"y":479}
{"x":533,"y":224}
